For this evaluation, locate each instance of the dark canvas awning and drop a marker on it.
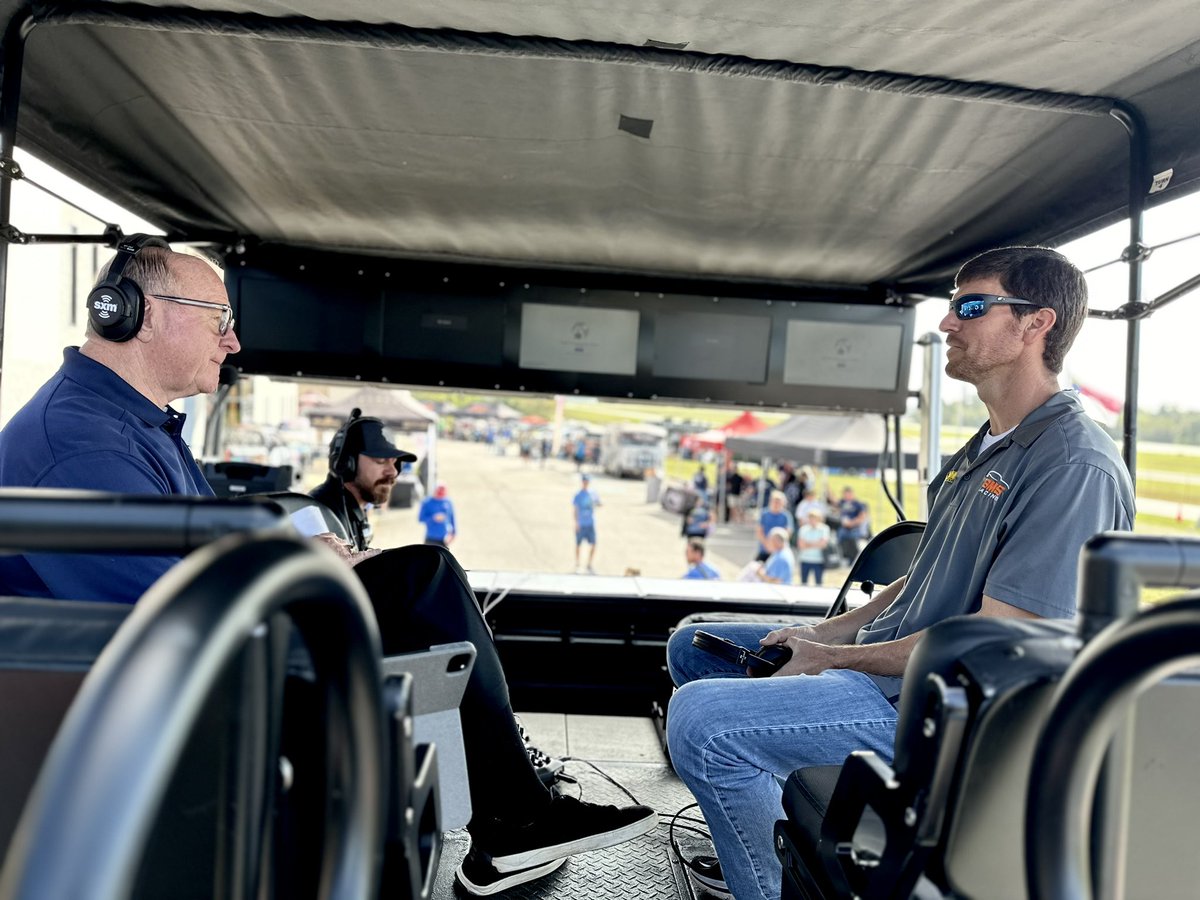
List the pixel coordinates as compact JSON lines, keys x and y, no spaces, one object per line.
{"x":849,"y":442}
{"x":853,"y":144}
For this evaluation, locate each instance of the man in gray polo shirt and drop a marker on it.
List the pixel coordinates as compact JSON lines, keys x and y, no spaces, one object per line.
{"x":1009,"y":514}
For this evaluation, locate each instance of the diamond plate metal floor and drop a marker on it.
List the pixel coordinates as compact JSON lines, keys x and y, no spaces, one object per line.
{"x":642,"y":868}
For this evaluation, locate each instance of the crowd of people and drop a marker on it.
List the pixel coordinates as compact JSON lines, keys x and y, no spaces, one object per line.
{"x":797,"y":535}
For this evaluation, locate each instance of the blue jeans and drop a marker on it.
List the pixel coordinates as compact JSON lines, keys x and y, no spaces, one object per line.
{"x":733,"y":739}
{"x":817,"y":570}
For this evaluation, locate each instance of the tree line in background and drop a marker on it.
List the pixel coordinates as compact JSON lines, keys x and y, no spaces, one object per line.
{"x":1167,"y":425}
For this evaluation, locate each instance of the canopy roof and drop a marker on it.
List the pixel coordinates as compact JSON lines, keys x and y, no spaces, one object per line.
{"x":397,"y":408}
{"x":855,"y":143}
{"x":485,"y":409}
{"x":746,"y":423}
{"x":849,"y":442}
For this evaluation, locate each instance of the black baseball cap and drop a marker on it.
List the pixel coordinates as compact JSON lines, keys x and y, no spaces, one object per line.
{"x":374,"y":440}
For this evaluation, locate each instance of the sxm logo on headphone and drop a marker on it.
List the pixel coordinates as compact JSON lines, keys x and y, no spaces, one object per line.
{"x":117,"y":306}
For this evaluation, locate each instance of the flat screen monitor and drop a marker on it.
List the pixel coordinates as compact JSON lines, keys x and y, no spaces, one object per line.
{"x":579,"y":339}
{"x":711,"y":346}
{"x":237,"y":479}
{"x":843,"y":355}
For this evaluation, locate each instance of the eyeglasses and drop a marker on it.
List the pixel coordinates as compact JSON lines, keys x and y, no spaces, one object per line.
{"x":973,"y":306}
{"x":227,"y":319}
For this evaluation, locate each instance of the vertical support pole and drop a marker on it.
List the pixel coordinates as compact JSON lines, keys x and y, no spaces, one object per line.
{"x":1139,"y":182}
{"x":1111,"y":804}
{"x":10,"y":100}
{"x":899,"y":464}
{"x":929,"y":458}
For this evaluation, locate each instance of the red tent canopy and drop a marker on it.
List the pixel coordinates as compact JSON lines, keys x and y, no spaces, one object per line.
{"x":746,"y":423}
{"x":713,"y":439}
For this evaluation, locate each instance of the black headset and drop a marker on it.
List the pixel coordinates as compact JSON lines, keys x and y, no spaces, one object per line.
{"x":343,"y":463}
{"x":116,"y":306}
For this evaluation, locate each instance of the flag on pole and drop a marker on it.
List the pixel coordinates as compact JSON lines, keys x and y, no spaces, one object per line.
{"x":1103,"y":408}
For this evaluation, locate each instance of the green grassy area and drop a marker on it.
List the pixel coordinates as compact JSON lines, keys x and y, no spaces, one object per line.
{"x":1174,"y":491}
{"x":1181,"y":463}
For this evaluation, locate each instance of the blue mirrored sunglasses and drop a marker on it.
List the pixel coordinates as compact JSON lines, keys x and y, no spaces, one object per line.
{"x":972,"y":306}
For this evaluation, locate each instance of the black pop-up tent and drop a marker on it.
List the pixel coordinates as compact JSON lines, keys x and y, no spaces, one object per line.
{"x":848,"y":442}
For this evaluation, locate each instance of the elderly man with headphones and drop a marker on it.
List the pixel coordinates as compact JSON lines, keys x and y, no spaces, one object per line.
{"x":159,"y":328}
{"x":363,"y":464}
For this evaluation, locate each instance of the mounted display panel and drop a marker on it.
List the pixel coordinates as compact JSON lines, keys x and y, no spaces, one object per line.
{"x":303,"y":314}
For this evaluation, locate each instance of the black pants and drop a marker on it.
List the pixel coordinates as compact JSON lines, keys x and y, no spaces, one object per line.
{"x":422,"y":597}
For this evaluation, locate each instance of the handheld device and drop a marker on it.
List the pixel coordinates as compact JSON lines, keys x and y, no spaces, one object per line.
{"x":760,"y":663}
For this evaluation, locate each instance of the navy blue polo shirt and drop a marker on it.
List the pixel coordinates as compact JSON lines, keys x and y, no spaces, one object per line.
{"x":88,"y":429}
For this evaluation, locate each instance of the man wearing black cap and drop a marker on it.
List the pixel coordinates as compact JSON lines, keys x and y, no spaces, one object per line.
{"x":363,"y":463}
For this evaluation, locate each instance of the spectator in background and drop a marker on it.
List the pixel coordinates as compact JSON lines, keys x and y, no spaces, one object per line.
{"x":774,"y":516}
{"x":584,"y":504}
{"x":813,"y":539}
{"x":437,"y":515}
{"x":807,"y":504}
{"x":734,"y":484}
{"x":700,"y":483}
{"x":698,"y":521}
{"x":780,"y":567}
{"x":854,"y":518}
{"x":697,"y":567}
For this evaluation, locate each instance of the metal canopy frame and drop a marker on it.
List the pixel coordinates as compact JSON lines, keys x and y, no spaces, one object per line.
{"x":401,"y":37}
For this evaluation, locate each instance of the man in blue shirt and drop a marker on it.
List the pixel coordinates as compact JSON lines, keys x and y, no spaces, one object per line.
{"x":1009,"y":514}
{"x":103,"y":422}
{"x":584,"y":505}
{"x":854,"y":524}
{"x":697,"y":567}
{"x":437,"y":515}
{"x":780,"y":566}
{"x":775,"y":515}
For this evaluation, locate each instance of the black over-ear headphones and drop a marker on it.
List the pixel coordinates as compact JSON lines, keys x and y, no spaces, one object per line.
{"x":116,"y":306}
{"x":342,"y":462}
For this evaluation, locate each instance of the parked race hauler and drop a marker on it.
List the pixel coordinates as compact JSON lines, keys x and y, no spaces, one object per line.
{"x":632,"y":449}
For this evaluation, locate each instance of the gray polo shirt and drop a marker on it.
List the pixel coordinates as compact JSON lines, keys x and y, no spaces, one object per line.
{"x":1010,"y":522}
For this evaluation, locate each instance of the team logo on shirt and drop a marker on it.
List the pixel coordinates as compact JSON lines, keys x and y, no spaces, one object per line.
{"x":993,"y":485}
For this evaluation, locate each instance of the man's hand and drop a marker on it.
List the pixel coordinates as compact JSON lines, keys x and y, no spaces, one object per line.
{"x":780,"y":635}
{"x":345,"y":551}
{"x":808,"y":657}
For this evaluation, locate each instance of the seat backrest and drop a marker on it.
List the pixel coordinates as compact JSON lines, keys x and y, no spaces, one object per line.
{"x":46,"y":648}
{"x":292,"y":501}
{"x":886,"y":557}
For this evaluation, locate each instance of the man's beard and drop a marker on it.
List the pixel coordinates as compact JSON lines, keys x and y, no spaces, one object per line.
{"x":378,"y":493}
{"x":381,"y":492}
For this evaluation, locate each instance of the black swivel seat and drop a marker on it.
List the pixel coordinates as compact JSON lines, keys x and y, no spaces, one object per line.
{"x":886,"y":557}
{"x":868,"y":829}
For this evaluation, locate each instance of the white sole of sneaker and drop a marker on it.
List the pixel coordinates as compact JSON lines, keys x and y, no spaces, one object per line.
{"x":512,"y":879}
{"x":516,"y":861}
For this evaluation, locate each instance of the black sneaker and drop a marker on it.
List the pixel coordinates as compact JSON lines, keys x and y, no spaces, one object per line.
{"x":478,"y":876}
{"x":548,"y":768}
{"x":565,"y":827}
{"x":705,"y":874}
